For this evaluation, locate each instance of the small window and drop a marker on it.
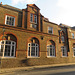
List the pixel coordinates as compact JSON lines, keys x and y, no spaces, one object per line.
{"x":31,"y":17}
{"x":62,"y":38}
{"x":10,"y":20}
{"x":64,"y":51}
{"x":72,"y":35}
{"x":35,"y":18}
{"x":50,"y":30}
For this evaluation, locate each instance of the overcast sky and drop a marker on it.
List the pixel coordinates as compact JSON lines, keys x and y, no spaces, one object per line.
{"x":58,"y":11}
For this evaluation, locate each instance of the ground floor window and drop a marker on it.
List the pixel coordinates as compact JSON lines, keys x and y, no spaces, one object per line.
{"x":73,"y":51}
{"x":50,"y":50}
{"x":33,"y":50}
{"x":8,"y":48}
{"x":64,"y":51}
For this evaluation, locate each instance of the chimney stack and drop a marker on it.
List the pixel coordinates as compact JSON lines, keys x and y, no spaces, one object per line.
{"x":1,"y":3}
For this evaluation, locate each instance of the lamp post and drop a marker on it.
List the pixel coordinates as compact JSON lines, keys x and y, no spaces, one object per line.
{"x":1,"y":50}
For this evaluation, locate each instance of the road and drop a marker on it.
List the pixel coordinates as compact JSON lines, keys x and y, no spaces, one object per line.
{"x":68,"y":70}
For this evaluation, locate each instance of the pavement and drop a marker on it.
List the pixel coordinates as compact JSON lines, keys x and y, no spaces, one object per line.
{"x":8,"y":70}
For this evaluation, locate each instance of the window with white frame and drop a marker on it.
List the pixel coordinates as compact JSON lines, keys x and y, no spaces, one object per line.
{"x":31,"y":17}
{"x":62,"y":38}
{"x":50,"y":30}
{"x":8,"y":48}
{"x":10,"y":20}
{"x":51,"y":50}
{"x":72,"y":35}
{"x":33,"y":50}
{"x":64,"y":51}
{"x":35,"y":18}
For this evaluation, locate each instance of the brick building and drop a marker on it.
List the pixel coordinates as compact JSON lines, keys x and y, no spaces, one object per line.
{"x":27,"y":38}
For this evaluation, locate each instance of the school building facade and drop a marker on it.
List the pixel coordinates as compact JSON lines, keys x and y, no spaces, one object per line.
{"x":27,"y":38}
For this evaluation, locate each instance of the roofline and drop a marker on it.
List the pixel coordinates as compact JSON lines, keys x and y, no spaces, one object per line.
{"x":32,"y":6}
{"x":52,"y":23}
{"x":11,"y":8}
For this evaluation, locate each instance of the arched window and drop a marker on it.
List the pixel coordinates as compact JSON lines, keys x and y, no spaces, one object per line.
{"x":8,"y":48}
{"x":33,"y":47}
{"x":51,"y":49}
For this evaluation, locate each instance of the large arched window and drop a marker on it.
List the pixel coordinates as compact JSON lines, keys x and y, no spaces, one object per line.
{"x":33,"y":48}
{"x":51,"y":49}
{"x":8,"y":47}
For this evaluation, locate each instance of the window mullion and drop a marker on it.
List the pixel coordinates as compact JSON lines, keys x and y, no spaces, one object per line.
{"x":10,"y":48}
{"x":4,"y":49}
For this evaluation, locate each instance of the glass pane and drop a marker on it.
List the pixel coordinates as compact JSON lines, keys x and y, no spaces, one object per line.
{"x":33,"y":44}
{"x":12,"y":53}
{"x":28,"y":51}
{"x":36,"y":51}
{"x":32,"y":51}
{"x":50,"y":51}
{"x":8,"y":42}
{"x":2,"y":42}
{"x":7,"y":50}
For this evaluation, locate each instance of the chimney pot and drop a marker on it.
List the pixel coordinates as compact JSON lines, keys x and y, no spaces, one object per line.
{"x":1,"y":3}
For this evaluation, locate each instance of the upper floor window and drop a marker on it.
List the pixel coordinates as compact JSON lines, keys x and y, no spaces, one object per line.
{"x":72,"y":35}
{"x":35,"y":18}
{"x":50,"y":30}
{"x":62,"y":38}
{"x":10,"y":20}
{"x":8,"y":47}
{"x":64,"y":51}
{"x":31,"y":17}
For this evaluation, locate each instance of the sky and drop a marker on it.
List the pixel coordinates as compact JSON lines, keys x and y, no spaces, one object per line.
{"x":57,"y":11}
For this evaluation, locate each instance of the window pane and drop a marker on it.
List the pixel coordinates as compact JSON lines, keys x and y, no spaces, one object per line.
{"x":32,"y":51}
{"x":28,"y":51}
{"x":7,"y":50}
{"x":12,"y":53}
{"x":50,"y":51}
{"x":8,"y":42}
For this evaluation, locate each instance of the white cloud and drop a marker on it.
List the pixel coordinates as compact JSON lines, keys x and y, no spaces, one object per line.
{"x":15,"y":2}
{"x":67,"y":12}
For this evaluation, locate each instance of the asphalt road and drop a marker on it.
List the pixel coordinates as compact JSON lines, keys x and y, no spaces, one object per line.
{"x":68,"y":70}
